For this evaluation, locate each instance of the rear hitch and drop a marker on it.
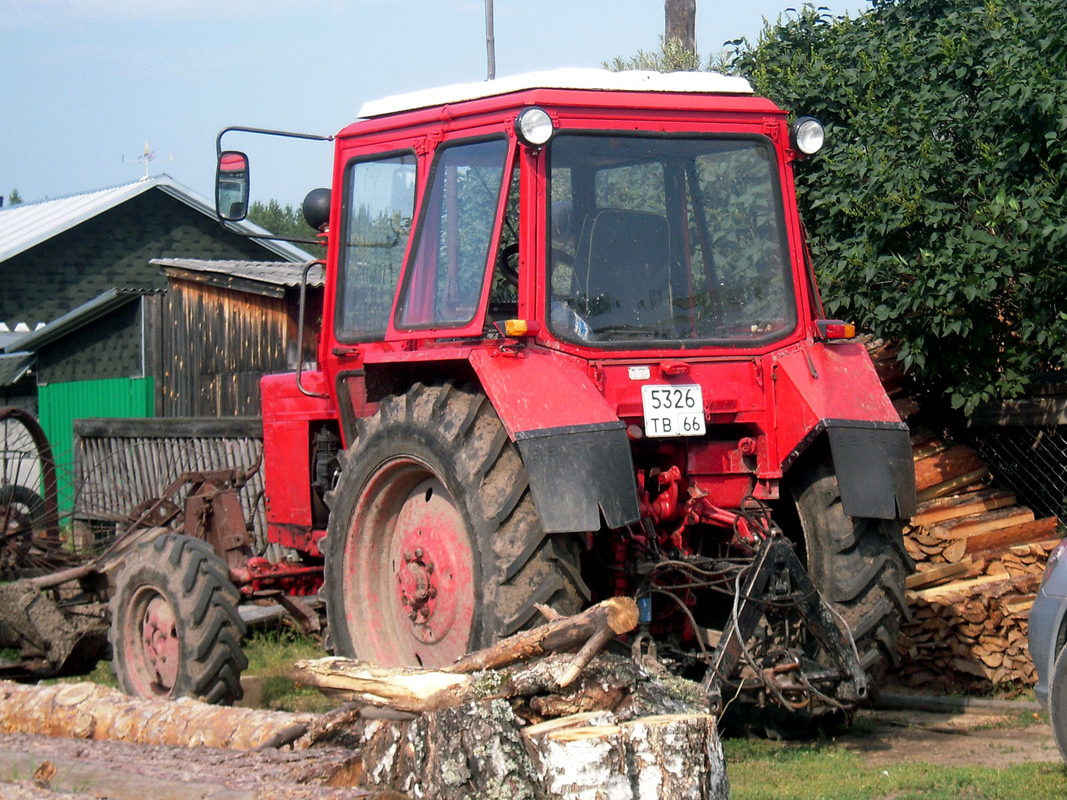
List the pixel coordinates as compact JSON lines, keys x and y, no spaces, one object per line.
{"x":777,"y":588}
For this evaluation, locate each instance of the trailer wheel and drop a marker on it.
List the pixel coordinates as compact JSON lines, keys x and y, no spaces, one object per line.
{"x":434,"y":547}
{"x":175,"y":630}
{"x":858,"y":564}
{"x":21,"y":513}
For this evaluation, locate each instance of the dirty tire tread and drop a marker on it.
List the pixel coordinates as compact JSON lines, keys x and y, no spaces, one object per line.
{"x":857,"y":564}
{"x":455,"y":430}
{"x":195,"y":582}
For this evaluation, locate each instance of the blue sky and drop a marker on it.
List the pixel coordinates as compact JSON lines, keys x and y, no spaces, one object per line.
{"x":86,"y":83}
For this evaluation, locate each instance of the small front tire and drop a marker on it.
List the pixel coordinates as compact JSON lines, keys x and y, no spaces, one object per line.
{"x":175,"y":631}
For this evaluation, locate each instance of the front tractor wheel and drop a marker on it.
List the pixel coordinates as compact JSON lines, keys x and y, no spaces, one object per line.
{"x":175,"y":630}
{"x":434,"y":547}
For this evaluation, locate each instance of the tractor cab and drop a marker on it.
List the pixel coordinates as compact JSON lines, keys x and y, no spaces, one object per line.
{"x":572,"y":347}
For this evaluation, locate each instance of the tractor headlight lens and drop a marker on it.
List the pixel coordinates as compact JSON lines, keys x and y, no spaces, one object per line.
{"x":808,"y":135}
{"x":534,"y":127}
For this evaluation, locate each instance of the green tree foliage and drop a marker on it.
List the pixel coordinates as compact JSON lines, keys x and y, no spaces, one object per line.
{"x":14,"y":198}
{"x":672,"y":56}
{"x":285,"y":221}
{"x":936,"y":213}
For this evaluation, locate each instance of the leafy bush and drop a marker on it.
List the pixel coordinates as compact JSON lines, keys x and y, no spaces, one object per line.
{"x":937,"y":214}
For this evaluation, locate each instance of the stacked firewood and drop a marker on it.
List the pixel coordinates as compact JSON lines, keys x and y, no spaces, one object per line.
{"x":979,"y":557}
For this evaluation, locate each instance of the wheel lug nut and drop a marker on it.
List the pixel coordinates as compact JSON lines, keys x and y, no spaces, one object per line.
{"x":433,"y":591}
{"x":418,"y":552}
{"x":407,"y":556}
{"x":414,"y":615}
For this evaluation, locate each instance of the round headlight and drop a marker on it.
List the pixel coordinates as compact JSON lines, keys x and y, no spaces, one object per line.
{"x":808,"y":135}
{"x":534,"y":127}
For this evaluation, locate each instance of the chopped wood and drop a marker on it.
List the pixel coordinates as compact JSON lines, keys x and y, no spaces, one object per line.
{"x":402,"y":689}
{"x":932,"y":576}
{"x":982,"y":523}
{"x":1038,"y":530}
{"x":941,"y":509}
{"x":600,"y":623}
{"x":952,"y":485}
{"x":937,"y":469}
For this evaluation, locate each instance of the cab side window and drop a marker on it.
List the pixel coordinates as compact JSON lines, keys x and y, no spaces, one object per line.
{"x":379,"y":204}
{"x":443,"y":283}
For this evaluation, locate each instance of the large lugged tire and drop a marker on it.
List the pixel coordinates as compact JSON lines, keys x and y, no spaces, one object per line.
{"x":858,"y":564}
{"x":434,"y":547}
{"x":175,"y":630}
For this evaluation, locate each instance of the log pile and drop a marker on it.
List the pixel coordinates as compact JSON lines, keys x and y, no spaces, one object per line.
{"x":979,"y":556}
{"x":543,"y":713}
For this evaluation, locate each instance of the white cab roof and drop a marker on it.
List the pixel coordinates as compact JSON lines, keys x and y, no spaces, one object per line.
{"x":596,"y":79}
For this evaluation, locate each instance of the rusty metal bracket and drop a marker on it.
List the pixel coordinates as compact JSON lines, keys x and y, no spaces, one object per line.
{"x":777,"y":578}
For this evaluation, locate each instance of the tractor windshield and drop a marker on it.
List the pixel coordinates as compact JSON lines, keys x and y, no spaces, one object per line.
{"x":661,"y":239}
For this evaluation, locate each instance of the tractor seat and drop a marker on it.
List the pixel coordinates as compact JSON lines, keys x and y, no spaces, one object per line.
{"x":626,"y":258}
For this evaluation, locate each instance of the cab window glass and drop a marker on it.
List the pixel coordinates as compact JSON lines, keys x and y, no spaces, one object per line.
{"x":450,"y":257}
{"x":379,"y":205}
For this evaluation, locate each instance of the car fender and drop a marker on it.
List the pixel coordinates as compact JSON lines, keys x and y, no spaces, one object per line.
{"x":574,"y":446}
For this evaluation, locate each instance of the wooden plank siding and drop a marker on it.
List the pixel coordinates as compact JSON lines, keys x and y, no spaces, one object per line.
{"x":216,"y":344}
{"x":119,"y":463}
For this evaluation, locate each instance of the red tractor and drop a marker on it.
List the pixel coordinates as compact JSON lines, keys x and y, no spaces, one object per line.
{"x":572,"y":347}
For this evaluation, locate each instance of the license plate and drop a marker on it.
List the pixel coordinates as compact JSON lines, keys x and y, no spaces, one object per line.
{"x":673,"y":410}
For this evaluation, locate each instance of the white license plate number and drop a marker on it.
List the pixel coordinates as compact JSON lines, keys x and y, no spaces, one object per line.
{"x":673,"y":410}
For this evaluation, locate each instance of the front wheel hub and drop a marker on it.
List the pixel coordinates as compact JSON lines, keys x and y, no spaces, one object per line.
{"x":418,"y":587}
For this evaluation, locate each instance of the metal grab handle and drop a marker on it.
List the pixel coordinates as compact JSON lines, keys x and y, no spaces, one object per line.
{"x":300,"y":328}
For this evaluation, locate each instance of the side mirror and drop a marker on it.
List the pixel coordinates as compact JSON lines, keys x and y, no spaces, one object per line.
{"x":231,"y":186}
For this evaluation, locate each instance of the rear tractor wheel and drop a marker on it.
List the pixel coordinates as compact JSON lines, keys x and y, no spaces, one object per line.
{"x":175,"y":630}
{"x":434,"y":547}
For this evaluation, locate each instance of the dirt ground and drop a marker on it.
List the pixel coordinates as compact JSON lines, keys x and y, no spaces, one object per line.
{"x":973,"y":739}
{"x":88,"y":769}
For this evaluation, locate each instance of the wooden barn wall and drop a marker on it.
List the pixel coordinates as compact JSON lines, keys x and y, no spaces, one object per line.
{"x":216,"y":345}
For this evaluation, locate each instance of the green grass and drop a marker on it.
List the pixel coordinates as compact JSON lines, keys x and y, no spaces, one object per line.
{"x":271,"y":655}
{"x":764,"y":770}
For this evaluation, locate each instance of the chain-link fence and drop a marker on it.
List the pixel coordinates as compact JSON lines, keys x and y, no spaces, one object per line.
{"x":1025,"y":444}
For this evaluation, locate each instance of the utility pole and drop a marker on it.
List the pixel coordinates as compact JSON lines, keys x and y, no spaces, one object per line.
{"x":681,"y":18}
{"x":490,"y":40}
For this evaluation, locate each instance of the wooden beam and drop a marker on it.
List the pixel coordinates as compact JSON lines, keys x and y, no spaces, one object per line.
{"x":1016,"y":534}
{"x":982,"y":523}
{"x":941,"y":509}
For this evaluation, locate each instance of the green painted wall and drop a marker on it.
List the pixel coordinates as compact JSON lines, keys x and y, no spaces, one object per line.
{"x":59,"y":404}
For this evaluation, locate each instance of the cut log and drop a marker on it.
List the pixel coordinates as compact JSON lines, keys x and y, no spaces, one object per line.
{"x":90,"y":711}
{"x":991,"y":584}
{"x":941,"y":509}
{"x":635,"y":759}
{"x":600,"y":623}
{"x":955,"y":461}
{"x":953,"y":485}
{"x":1016,"y":534}
{"x":411,"y":690}
{"x":932,"y":576}
{"x":983,"y":523}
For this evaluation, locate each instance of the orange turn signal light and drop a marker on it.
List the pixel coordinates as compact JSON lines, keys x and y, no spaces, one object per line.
{"x":517,"y":328}
{"x":835,"y":329}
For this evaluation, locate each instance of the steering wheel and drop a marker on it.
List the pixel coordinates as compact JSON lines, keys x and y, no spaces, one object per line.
{"x":507,"y":263}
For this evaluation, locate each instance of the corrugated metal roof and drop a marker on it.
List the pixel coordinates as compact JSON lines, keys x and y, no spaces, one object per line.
{"x":14,"y":366}
{"x":82,"y":315}
{"x":28,"y":224}
{"x":275,"y":273}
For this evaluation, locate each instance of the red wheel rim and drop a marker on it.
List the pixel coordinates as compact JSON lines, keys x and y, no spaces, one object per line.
{"x":409,"y":570}
{"x":151,"y":651}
